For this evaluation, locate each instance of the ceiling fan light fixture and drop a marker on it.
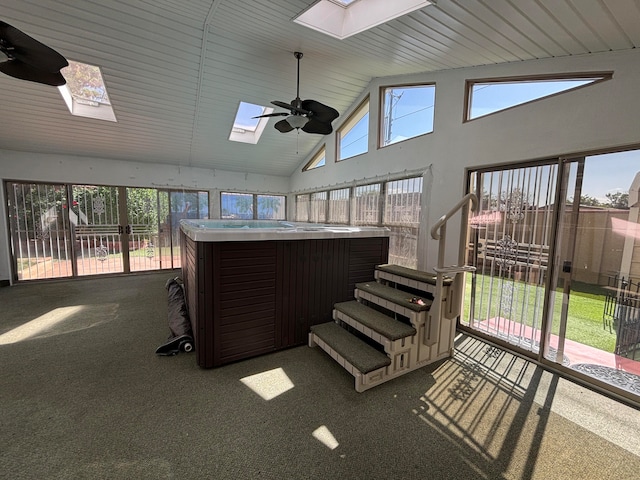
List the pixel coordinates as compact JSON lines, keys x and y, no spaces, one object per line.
{"x":297,"y":121}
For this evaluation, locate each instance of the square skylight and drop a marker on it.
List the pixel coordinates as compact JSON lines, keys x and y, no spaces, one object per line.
{"x":246,"y":128}
{"x":85,"y":92}
{"x":343,"y":18}
{"x":344,"y":3}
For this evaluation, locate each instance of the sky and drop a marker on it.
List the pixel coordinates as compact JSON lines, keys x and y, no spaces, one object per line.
{"x":610,"y":173}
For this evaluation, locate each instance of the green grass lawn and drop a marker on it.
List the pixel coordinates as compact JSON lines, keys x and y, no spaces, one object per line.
{"x":586,"y":306}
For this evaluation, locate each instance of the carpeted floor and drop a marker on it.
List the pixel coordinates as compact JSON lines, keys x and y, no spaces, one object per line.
{"x":83,"y":396}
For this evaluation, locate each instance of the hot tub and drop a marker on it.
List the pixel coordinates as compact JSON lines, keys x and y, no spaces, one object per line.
{"x":255,"y":287}
{"x":242,"y":230}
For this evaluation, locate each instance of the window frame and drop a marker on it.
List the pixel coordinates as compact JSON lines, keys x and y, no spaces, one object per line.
{"x":335,"y":198}
{"x":255,"y":214}
{"x":348,"y":125}
{"x":381,"y":111}
{"x":320,"y":155}
{"x":469,"y":84}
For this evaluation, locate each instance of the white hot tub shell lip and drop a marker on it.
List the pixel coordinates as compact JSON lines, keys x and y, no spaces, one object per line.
{"x":214,"y":231}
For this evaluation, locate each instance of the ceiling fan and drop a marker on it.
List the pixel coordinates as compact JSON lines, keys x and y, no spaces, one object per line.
{"x":310,"y":116}
{"x":28,"y":59}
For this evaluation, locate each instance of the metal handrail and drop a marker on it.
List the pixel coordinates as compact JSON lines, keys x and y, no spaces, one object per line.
{"x":439,"y":232}
{"x":439,"y":229}
{"x":469,"y":197}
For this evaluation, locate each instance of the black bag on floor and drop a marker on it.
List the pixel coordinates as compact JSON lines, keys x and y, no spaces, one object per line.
{"x":181,"y":338}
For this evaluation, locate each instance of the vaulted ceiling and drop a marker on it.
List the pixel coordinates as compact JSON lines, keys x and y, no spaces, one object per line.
{"x":176,"y":70}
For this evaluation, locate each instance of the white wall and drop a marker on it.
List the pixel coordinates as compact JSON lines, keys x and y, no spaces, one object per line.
{"x":35,"y":167}
{"x":600,"y":116}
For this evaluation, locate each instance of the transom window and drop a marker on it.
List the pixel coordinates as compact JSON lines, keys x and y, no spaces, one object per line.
{"x":493,"y":95}
{"x":353,"y":135}
{"x":318,"y":160}
{"x":407,"y":111}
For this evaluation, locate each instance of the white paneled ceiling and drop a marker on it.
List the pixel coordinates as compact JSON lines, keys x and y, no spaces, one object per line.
{"x":176,"y":70}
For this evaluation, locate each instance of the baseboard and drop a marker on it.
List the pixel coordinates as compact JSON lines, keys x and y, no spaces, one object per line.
{"x":4,"y":283}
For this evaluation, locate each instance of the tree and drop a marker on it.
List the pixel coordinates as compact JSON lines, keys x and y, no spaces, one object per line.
{"x":589,"y":201}
{"x":267,"y":206}
{"x":618,"y":200}
{"x":244,"y":205}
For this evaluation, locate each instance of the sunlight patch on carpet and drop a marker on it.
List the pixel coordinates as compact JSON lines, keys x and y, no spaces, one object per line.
{"x":269,"y":384}
{"x":324,"y":435}
{"x":40,"y":325}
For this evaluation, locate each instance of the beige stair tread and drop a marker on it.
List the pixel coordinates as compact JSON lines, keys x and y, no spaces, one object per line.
{"x":375,"y":320}
{"x":363,"y":357}
{"x":394,"y":295}
{"x":413,"y":274}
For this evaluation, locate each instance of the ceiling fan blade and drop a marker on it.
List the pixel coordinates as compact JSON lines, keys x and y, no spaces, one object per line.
{"x":291,"y":106}
{"x":283,"y":126}
{"x":316,"y":126}
{"x":280,"y":114}
{"x":320,"y":111}
{"x":281,"y":104}
{"x":20,"y":46}
{"x":23,"y":71}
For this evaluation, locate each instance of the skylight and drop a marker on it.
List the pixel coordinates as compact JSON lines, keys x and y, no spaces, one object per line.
{"x":343,"y":18}
{"x":343,"y":3}
{"x":85,"y":93}
{"x":246,"y":128}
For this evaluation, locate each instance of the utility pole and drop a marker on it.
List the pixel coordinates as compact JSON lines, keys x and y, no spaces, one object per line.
{"x":393,"y":99}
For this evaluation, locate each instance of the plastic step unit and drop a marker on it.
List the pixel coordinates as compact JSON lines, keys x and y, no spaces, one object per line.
{"x":372,"y":323}
{"x":410,"y":277}
{"x":365,"y":363}
{"x":394,"y":300}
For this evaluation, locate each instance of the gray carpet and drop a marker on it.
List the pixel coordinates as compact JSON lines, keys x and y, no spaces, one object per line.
{"x":87,"y":398}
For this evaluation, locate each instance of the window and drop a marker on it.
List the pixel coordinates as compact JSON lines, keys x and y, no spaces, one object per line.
{"x":395,"y":204}
{"x":85,"y":92}
{"x":318,"y":210}
{"x":339,"y":206}
{"x":406,"y":112}
{"x":318,"y":160}
{"x":302,"y":208}
{"x":402,"y":202}
{"x":246,"y":127}
{"x":236,"y":205}
{"x":490,"y":96}
{"x":366,"y":205}
{"x":271,"y":207}
{"x":402,"y":217}
{"x":247,"y":206}
{"x":353,"y":135}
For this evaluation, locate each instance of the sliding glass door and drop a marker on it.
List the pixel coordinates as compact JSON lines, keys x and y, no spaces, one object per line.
{"x":557,"y":252}
{"x":97,"y":231}
{"x":510,"y":240}
{"x":594,"y":301}
{"x":62,"y":230}
{"x":40,"y":230}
